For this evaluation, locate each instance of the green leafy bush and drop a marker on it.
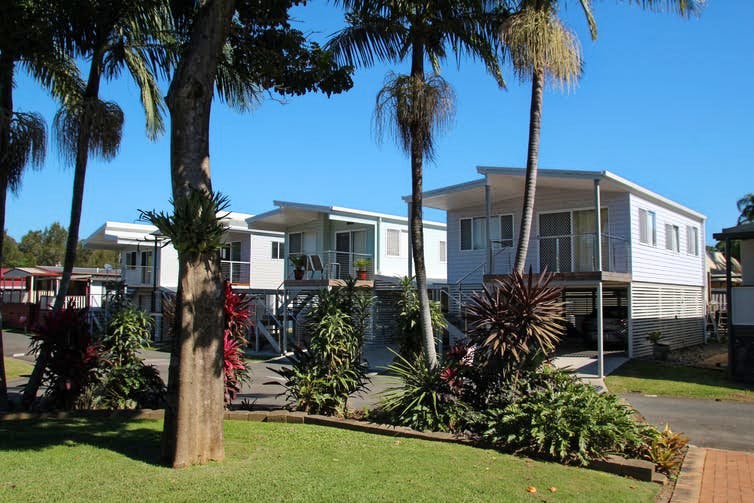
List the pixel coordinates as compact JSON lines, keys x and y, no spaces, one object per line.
{"x":556,"y":416}
{"x":125,"y":381}
{"x":425,"y":400}
{"x":325,"y":373}
{"x":408,"y":324}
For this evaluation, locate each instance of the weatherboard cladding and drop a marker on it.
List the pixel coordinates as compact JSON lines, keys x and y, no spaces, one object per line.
{"x":657,"y":263}
{"x":266,"y":272}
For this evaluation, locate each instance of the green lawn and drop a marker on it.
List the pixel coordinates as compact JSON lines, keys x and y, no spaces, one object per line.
{"x":657,"y":378}
{"x":90,"y":460}
{"x":15,"y":368}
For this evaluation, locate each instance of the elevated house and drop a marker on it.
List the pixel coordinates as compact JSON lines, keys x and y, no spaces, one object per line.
{"x":740,"y":301}
{"x":646,"y":272}
{"x":149,"y":263}
{"x":333,"y":244}
{"x":29,"y":292}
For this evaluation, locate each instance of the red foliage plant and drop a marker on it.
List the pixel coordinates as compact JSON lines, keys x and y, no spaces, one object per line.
{"x":237,"y":322}
{"x":74,"y":356}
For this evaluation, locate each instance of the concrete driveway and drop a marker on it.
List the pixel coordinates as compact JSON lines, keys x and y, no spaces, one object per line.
{"x":707,"y":423}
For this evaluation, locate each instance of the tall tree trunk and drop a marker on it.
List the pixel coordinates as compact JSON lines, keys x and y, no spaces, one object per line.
{"x":416,"y":227}
{"x":3,"y":381}
{"x":193,"y":429}
{"x":6,"y":114}
{"x":535,"y":123}
{"x":82,"y":158}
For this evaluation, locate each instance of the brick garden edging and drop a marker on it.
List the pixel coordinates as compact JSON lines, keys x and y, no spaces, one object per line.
{"x":636,"y":468}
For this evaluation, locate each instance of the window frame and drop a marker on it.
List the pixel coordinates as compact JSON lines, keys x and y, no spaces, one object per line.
{"x":650,"y":217}
{"x":692,"y":240}
{"x":278,"y":250}
{"x":397,"y":233}
{"x":673,"y":238}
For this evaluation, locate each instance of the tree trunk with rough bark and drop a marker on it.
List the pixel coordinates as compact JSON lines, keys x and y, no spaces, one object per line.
{"x":535,"y":124}
{"x":416,"y":227}
{"x":77,"y":200}
{"x":6,"y":113}
{"x":193,"y":429}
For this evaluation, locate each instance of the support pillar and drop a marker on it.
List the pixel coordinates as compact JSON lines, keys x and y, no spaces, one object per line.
{"x":598,"y":262}
{"x":488,"y":227}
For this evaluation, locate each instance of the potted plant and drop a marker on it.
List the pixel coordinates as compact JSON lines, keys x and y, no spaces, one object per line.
{"x":361,"y":265}
{"x":660,"y":351}
{"x":299,"y":265}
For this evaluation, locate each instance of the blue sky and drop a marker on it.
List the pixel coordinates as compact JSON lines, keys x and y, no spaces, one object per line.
{"x":665,"y":102}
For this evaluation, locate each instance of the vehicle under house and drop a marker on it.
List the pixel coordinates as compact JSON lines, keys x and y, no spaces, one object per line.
{"x":645,"y":273}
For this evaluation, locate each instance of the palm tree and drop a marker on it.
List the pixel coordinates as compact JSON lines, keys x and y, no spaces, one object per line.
{"x":26,"y":40}
{"x":115,"y":36}
{"x":416,"y":107}
{"x":746,"y":208}
{"x":542,"y":48}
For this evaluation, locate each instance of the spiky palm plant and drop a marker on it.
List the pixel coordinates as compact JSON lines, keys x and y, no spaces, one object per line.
{"x":514,"y":319}
{"x":417,"y":106}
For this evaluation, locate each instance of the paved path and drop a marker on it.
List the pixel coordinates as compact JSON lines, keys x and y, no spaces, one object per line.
{"x":715,"y":476}
{"x":707,"y":423}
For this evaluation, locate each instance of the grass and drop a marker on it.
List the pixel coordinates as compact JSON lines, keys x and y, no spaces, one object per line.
{"x":77,"y":460}
{"x":662,"y":379}
{"x":15,"y":368}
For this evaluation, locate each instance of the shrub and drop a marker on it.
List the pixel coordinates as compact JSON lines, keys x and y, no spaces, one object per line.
{"x":327,"y":371}
{"x":555,"y":416}
{"x":408,"y":324}
{"x":237,"y":322}
{"x":126,"y":382}
{"x":74,"y":359}
{"x":515,"y":322}
{"x":426,"y":398}
{"x":665,"y":450}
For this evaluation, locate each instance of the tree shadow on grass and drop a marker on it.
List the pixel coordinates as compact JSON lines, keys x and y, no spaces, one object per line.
{"x":117,"y":435}
{"x":661,"y":371}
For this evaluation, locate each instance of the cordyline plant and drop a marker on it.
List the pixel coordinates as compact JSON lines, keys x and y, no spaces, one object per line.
{"x":515,"y":319}
{"x":74,"y":357}
{"x":237,"y":324}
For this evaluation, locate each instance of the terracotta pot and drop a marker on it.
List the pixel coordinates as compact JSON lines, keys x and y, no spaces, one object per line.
{"x":298,"y":274}
{"x":361,"y":275}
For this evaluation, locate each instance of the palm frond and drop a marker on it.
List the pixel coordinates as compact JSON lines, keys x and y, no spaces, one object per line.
{"x":151,"y":98}
{"x":27,"y":147}
{"x":685,"y":8}
{"x":537,"y":41}
{"x":366,"y":40}
{"x":414,"y":111}
{"x":101,"y":121}
{"x":587,"y":8}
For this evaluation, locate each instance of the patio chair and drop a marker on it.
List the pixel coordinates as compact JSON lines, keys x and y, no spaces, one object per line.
{"x":315,"y":266}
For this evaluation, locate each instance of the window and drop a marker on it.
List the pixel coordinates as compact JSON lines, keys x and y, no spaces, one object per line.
{"x":501,"y":231}
{"x":278,"y":250}
{"x":295,"y":243}
{"x":393,"y":243}
{"x":231,"y":252}
{"x":473,"y":233}
{"x":671,"y":238}
{"x":648,"y":227}
{"x":443,"y":251}
{"x":131,"y":260}
{"x":692,"y":240}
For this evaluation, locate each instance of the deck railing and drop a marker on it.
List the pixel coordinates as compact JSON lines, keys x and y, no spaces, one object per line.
{"x":138,"y":275}
{"x":333,"y":264}
{"x":577,"y":253}
{"x":236,"y":272}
